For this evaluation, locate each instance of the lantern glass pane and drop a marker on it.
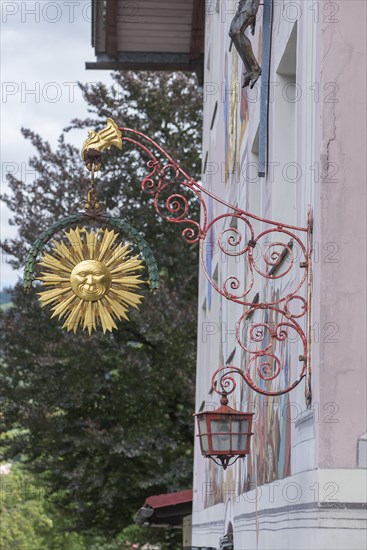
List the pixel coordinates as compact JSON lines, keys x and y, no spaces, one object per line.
{"x":236,"y":424}
{"x":221,"y":442}
{"x":240,"y":426}
{"x":221,"y":426}
{"x":239,"y":442}
{"x":204,"y":443}
{"x":203,"y":426}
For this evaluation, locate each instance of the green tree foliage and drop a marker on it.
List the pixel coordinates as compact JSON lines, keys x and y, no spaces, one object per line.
{"x":28,"y":521}
{"x":107,"y":420}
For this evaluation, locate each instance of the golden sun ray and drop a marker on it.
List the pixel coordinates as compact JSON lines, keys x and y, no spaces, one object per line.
{"x":90,"y":279}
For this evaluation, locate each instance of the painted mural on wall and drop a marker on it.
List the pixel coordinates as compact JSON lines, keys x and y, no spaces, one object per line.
{"x":230,"y":105}
{"x":235,"y":112}
{"x":271,"y":447}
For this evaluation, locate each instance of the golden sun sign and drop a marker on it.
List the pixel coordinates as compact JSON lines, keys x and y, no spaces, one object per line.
{"x":90,"y":279}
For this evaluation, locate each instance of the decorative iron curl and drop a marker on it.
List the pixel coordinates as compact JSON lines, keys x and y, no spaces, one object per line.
{"x":278,"y":332}
{"x":177,"y":204}
{"x":176,"y":210}
{"x":266,"y":370}
{"x":226,"y":381}
{"x":263,"y":358}
{"x":164,"y":173}
{"x":228,"y":239}
{"x":232,"y":237}
{"x":167,"y":177}
{"x":304,"y":306}
{"x":148,"y":184}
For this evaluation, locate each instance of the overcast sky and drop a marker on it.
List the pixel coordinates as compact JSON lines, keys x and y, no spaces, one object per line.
{"x":44,"y":47}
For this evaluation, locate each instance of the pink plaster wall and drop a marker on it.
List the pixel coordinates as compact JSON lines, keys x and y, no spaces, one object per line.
{"x":341,"y":284}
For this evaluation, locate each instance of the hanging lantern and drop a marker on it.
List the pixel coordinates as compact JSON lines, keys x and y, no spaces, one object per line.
{"x":224,"y":433}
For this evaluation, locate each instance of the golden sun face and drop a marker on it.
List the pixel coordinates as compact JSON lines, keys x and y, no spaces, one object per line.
{"x":90,"y":280}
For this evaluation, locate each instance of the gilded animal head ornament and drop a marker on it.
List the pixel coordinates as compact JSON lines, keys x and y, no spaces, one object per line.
{"x":104,"y":139}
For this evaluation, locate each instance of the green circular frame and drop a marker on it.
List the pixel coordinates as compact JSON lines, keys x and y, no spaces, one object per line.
{"x":120,"y":225}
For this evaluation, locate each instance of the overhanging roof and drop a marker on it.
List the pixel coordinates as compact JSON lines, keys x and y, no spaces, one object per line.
{"x":148,"y":35}
{"x":166,"y":510}
{"x":170,"y":499}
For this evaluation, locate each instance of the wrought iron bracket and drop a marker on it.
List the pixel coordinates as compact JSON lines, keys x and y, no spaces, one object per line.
{"x":276,"y":253}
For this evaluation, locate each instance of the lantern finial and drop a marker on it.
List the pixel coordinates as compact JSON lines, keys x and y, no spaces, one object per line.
{"x":224,"y":399}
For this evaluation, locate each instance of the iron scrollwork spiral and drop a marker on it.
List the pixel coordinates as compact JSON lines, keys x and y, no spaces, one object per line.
{"x":269,"y":260}
{"x":265,"y":344}
{"x":168,"y":184}
{"x":276,"y":263}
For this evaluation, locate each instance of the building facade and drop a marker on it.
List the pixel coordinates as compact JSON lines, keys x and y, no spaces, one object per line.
{"x":303,"y":485}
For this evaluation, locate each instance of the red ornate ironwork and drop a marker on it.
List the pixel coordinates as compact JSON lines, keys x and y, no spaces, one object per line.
{"x":280,"y":254}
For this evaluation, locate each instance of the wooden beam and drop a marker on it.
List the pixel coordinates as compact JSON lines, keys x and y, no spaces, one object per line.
{"x":197,"y":29}
{"x":111,"y":28}
{"x":114,"y":65}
